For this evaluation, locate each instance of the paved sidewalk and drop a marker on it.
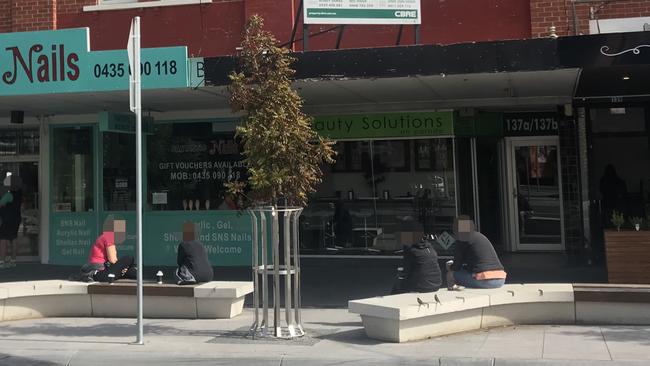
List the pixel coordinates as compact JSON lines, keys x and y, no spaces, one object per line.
{"x":334,"y":338}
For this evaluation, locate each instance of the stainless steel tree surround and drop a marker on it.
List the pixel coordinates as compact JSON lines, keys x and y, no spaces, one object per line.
{"x":283,"y":271}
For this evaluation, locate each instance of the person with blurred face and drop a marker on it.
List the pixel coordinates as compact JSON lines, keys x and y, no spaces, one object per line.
{"x":475,"y":264}
{"x":192,"y":258}
{"x":103,"y":260}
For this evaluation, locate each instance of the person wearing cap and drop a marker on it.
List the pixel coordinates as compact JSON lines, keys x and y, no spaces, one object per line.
{"x":10,"y":219}
{"x":475,"y":263}
{"x":102,"y":259}
{"x":192,"y":258}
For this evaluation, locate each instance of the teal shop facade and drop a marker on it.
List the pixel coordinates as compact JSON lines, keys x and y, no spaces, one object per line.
{"x":75,"y":150}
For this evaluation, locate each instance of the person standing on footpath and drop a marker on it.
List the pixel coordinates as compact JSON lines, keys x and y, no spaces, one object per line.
{"x":11,"y":217}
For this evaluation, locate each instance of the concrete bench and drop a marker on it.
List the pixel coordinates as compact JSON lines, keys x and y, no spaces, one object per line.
{"x":400,"y":318}
{"x":612,"y":304}
{"x":57,"y":298}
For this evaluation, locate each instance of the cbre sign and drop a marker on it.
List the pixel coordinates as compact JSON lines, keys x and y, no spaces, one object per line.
{"x":362,"y":12}
{"x":60,"y":61}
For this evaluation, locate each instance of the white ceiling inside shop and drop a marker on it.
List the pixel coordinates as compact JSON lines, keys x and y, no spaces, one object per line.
{"x":492,"y":90}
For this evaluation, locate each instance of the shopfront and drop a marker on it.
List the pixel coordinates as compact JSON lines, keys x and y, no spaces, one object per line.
{"x":93,"y":176}
{"x":394,"y":181}
{"x":400,"y":173}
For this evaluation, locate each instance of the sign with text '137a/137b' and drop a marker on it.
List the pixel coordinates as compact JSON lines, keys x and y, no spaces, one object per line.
{"x":362,"y":12}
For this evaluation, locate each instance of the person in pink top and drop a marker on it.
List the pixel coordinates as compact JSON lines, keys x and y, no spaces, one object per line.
{"x":103,"y":260}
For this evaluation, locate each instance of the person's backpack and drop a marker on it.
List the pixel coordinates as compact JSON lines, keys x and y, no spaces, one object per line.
{"x":183,"y":276}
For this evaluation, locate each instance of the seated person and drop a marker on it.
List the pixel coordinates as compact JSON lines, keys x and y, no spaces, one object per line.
{"x":421,"y":270}
{"x":192,"y":259}
{"x":103,"y":261}
{"x":475,"y":263}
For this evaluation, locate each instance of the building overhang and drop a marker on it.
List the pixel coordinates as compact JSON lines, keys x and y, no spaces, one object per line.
{"x":517,"y":74}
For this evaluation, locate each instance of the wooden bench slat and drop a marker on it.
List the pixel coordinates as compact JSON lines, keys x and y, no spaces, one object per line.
{"x":149,"y":289}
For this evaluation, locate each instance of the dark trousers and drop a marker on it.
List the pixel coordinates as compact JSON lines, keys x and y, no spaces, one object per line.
{"x":123,"y":268}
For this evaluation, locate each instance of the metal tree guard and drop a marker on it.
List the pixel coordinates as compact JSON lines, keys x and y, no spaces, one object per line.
{"x":275,"y":229}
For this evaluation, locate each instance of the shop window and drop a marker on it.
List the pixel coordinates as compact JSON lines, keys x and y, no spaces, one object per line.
{"x":382,"y":194}
{"x":189,"y":164}
{"x":19,"y":142}
{"x":119,"y":171}
{"x":72,"y":176}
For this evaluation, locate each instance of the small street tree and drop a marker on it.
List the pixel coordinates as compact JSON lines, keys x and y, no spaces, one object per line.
{"x":282,"y":151}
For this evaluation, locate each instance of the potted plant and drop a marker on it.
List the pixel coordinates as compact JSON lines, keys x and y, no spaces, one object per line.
{"x":618,"y":220}
{"x":636,"y":222}
{"x":628,"y":251}
{"x":283,"y":155}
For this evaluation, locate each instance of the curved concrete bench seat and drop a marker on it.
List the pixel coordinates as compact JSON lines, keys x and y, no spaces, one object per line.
{"x":402,"y":318}
{"x":58,"y":298}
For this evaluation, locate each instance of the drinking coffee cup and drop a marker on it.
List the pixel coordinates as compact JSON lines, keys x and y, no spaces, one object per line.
{"x":159,"y":276}
{"x":111,"y":278}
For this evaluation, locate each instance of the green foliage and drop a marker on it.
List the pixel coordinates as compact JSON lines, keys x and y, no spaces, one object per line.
{"x":282,"y":151}
{"x":618,"y":219}
{"x":635,"y":220}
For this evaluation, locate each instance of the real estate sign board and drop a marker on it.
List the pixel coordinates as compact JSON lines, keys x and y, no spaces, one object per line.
{"x":362,"y":12}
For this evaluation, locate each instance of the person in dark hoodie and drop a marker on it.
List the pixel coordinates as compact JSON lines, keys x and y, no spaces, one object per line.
{"x":192,"y":259}
{"x":421,"y":270}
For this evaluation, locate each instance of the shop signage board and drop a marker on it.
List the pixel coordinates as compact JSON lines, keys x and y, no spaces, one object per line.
{"x":390,"y":125}
{"x":482,"y":124}
{"x":60,"y":61}
{"x":123,"y":123}
{"x":225,"y":234}
{"x":530,"y":124}
{"x":362,"y":12}
{"x":71,"y":235}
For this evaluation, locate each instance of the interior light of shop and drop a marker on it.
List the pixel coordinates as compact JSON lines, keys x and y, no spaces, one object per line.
{"x":626,"y":77}
{"x":617,"y":111}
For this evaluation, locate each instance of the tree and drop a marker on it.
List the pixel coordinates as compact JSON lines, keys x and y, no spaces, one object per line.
{"x":282,"y":151}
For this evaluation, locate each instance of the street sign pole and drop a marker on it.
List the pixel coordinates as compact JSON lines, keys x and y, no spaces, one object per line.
{"x":135,"y":93}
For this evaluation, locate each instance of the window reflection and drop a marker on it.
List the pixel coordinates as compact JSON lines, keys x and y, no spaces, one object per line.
{"x":72,"y":186}
{"x":381,"y":195}
{"x":188,"y":164}
{"x":119,"y":171}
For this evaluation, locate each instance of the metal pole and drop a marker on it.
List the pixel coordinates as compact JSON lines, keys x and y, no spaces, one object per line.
{"x":138,"y":169}
{"x":305,"y":37}
{"x":275,"y":244}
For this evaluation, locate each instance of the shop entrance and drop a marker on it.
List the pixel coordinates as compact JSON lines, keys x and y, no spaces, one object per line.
{"x":533,"y":194}
{"x":19,"y":155}
{"x":27,"y":240}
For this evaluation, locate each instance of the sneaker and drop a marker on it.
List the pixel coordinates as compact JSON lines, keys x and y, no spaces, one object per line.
{"x":3,"y":265}
{"x":456,"y":288}
{"x":12,"y":263}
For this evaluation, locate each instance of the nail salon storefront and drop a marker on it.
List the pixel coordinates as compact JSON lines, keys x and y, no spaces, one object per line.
{"x":419,"y":142}
{"x":75,"y":147}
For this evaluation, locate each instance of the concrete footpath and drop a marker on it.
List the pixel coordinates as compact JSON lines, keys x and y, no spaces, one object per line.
{"x":334,"y":338}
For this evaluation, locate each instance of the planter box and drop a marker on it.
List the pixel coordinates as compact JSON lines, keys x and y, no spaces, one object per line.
{"x":628,"y":256}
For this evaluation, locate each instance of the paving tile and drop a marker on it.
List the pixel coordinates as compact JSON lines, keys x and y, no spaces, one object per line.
{"x":574,"y":342}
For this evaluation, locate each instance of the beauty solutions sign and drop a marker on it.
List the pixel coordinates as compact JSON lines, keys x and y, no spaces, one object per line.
{"x":60,"y":61}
